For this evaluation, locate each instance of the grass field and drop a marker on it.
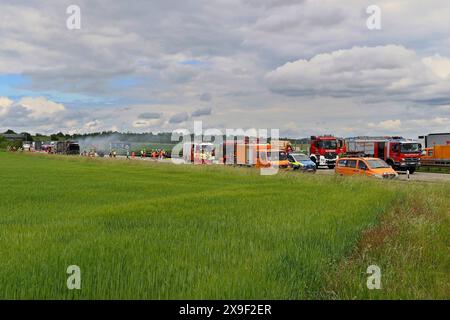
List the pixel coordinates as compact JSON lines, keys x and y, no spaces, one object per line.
{"x":144,"y":230}
{"x":434,"y":169}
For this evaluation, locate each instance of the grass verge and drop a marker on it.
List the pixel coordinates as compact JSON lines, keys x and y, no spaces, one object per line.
{"x":143,"y":230}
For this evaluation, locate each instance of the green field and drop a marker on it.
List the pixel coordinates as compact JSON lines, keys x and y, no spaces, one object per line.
{"x":143,"y":230}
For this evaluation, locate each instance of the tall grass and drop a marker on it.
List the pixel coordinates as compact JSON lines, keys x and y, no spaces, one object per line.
{"x":411,"y":247}
{"x":160,"y":231}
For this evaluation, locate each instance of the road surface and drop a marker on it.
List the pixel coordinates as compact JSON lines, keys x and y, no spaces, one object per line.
{"x":417,"y":176}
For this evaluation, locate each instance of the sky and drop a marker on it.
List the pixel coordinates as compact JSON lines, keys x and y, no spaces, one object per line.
{"x":304,"y":67}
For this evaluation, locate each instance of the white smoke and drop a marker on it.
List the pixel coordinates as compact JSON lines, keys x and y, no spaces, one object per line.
{"x":99,"y":144}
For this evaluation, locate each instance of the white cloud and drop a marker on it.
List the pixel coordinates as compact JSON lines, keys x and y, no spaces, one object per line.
{"x":390,"y":125}
{"x":40,"y":107}
{"x":382,"y":73}
{"x":92,"y":125}
{"x":439,"y":65}
{"x":224,"y":49}
{"x":5,"y":105}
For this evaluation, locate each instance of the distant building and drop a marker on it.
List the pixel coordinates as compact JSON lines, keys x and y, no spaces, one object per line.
{"x":438,"y":139}
{"x":13,"y":136}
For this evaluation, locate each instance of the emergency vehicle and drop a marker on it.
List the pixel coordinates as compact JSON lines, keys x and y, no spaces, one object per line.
{"x":400,"y":153}
{"x":325,"y":150}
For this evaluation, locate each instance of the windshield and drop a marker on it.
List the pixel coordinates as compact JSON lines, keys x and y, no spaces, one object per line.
{"x":300,"y":157}
{"x":74,"y":147}
{"x":282,"y":156}
{"x":327,"y":144}
{"x":377,"y":163}
{"x":410,"y":147}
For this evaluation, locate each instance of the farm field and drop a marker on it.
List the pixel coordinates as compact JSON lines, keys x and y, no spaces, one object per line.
{"x":141,"y":230}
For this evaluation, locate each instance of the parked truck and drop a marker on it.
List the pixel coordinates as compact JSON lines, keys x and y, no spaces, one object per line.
{"x":325,"y":150}
{"x":66,"y":147}
{"x":400,"y":153}
{"x":437,"y":156}
{"x":253,"y":152}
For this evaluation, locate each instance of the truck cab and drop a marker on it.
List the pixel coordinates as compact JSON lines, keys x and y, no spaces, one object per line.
{"x":325,"y":150}
{"x":404,"y":155}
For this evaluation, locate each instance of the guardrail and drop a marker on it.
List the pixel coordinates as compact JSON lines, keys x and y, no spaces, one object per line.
{"x":435,"y":162}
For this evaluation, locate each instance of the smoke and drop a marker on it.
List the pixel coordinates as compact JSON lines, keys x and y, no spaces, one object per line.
{"x":101,"y":143}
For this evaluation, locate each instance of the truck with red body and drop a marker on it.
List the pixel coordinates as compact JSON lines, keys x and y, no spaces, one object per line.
{"x":400,"y":153}
{"x":254,"y":152}
{"x":325,"y":150}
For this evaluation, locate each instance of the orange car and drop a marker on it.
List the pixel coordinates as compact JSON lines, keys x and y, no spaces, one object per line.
{"x":371,"y":167}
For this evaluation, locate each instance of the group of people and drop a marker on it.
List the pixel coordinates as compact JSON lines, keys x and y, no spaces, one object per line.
{"x":91,"y":153}
{"x":156,"y":154}
{"x":112,"y":154}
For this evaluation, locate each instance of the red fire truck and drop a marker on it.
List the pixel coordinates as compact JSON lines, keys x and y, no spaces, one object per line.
{"x":400,"y":153}
{"x":325,"y":150}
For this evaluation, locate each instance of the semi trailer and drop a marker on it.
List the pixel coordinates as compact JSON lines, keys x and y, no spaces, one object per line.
{"x":66,"y":147}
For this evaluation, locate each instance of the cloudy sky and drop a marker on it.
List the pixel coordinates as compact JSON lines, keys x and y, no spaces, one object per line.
{"x":303,"y":66}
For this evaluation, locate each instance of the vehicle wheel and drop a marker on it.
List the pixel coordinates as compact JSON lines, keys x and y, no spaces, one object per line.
{"x":330,"y":166}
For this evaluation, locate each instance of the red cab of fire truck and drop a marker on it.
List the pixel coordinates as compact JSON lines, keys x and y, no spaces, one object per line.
{"x":325,"y":150}
{"x":400,"y":153}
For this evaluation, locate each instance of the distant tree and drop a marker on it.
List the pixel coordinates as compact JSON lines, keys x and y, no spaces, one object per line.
{"x":5,"y":144}
{"x":27,"y":136}
{"x":58,"y":136}
{"x":9,"y":131}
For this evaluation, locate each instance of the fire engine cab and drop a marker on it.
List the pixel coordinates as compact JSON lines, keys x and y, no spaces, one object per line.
{"x":325,"y":150}
{"x":400,"y":153}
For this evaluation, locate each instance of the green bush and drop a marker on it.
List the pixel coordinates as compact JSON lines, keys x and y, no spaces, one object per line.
{"x":5,"y":144}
